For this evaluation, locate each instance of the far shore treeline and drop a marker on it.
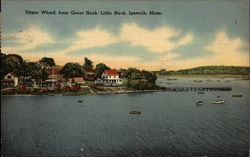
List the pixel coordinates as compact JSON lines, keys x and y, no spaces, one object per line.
{"x":208,"y":70}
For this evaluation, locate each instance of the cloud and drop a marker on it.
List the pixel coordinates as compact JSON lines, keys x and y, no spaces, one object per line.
{"x":225,"y":51}
{"x":155,"y":48}
{"x":28,"y":39}
{"x":157,"y":40}
{"x":228,"y":51}
{"x":92,"y":38}
{"x":185,"y":40}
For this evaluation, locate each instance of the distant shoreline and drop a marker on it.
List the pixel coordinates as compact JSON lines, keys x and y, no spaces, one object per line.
{"x":206,"y":76}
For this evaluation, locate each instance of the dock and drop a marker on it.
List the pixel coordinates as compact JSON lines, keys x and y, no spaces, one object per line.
{"x":187,"y":89}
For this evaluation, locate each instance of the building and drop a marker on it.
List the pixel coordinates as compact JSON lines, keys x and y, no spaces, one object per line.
{"x":88,"y":73}
{"x":54,"y":72}
{"x":66,"y":83}
{"x":110,"y":78}
{"x":77,"y":81}
{"x":10,"y":80}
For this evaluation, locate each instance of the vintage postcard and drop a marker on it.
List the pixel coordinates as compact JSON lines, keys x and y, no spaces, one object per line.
{"x":125,"y":78}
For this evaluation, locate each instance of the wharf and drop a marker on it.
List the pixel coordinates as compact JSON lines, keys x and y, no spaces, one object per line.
{"x":186,"y":89}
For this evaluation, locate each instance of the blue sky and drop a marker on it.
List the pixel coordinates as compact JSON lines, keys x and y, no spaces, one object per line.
{"x":187,"y":34}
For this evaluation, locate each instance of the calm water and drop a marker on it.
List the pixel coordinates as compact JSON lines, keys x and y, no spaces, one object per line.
{"x":170,"y":124}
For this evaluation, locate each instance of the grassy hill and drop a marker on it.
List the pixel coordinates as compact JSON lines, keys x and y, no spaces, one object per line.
{"x":209,"y":70}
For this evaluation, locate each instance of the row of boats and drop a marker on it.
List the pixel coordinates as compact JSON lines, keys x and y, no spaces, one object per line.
{"x":199,"y":81}
{"x":199,"y":103}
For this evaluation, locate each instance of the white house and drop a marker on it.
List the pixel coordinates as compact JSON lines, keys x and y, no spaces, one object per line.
{"x":10,"y":79}
{"x":110,"y":78}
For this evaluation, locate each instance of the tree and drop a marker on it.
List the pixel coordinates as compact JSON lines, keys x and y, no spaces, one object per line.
{"x":87,"y":62}
{"x":132,"y":73}
{"x":11,"y":63}
{"x":14,"y":57}
{"x":134,"y":76}
{"x":149,"y":76}
{"x":47,"y":61}
{"x":163,"y":72}
{"x":36,"y":71}
{"x":71,"y":70}
{"x":11,"y":66}
{"x":99,"y":69}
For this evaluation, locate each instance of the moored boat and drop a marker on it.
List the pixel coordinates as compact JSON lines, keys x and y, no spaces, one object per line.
{"x":135,"y":112}
{"x":199,"y":103}
{"x":237,"y":95}
{"x":200,"y":92}
{"x":171,"y":79}
{"x":218,"y":101}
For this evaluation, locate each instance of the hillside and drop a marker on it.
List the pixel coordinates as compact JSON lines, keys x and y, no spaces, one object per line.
{"x":209,"y":70}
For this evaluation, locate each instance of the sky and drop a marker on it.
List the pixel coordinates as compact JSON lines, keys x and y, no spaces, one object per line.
{"x":187,"y":33}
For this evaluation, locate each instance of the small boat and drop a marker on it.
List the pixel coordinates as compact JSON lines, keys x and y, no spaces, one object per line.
{"x":237,"y":95}
{"x":199,"y":81}
{"x":134,"y":112}
{"x":199,"y":103}
{"x":200,"y":92}
{"x":171,"y":79}
{"x":218,"y":101}
{"x":80,"y":101}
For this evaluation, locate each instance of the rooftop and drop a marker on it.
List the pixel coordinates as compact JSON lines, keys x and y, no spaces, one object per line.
{"x":111,"y":72}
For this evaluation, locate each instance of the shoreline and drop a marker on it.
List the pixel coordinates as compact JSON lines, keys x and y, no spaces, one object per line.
{"x":127,"y":90}
{"x":206,"y":76}
{"x":98,"y":93}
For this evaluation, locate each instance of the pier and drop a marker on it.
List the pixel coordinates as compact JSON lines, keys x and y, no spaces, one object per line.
{"x":186,"y":89}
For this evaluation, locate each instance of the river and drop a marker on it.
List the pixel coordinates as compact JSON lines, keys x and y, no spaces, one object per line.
{"x":170,"y":124}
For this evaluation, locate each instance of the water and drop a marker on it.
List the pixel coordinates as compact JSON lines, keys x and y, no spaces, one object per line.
{"x":170,"y":124}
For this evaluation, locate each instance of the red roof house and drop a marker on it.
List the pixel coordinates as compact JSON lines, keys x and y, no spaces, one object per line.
{"x":111,"y":72}
{"x":89,"y":73}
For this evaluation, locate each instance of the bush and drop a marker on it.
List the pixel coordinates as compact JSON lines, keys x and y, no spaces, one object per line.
{"x":66,"y":89}
{"x":22,"y":90}
{"x":140,"y":85}
{"x":75,"y":88}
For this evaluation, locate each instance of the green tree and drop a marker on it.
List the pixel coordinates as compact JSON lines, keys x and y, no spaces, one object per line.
{"x":87,"y":62}
{"x":133,"y":73}
{"x":47,"y":61}
{"x":14,"y":57}
{"x":35,"y":71}
{"x":71,"y":70}
{"x":163,"y":72}
{"x":11,"y":66}
{"x":99,"y":69}
{"x":134,"y":76}
{"x":11,"y":63}
{"x":149,"y":76}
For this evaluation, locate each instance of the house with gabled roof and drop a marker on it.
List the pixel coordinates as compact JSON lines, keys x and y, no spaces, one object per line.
{"x":88,"y":73}
{"x":110,"y":78}
{"x":10,"y":80}
{"x":54,"y":72}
